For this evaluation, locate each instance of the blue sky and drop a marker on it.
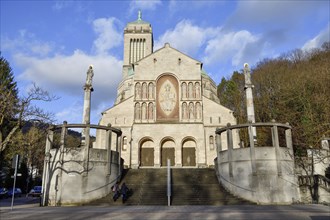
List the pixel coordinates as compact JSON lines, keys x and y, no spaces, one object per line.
{"x":52,"y":43}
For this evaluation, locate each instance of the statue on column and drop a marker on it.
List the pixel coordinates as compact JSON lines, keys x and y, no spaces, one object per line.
{"x":90,"y":75}
{"x":247,"y":74}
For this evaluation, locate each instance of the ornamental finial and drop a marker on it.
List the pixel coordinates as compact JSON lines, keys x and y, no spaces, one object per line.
{"x":139,"y":15}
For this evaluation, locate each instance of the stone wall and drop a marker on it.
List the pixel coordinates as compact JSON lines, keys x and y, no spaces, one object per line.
{"x":71,"y":183}
{"x":79,"y":175}
{"x":263,"y":174}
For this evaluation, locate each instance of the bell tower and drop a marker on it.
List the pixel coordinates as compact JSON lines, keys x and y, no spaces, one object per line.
{"x":138,"y":41}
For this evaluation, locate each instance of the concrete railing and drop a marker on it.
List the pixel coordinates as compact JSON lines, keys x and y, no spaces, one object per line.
{"x":315,"y":188}
{"x":262,"y":174}
{"x":314,"y":180}
{"x":75,"y":175}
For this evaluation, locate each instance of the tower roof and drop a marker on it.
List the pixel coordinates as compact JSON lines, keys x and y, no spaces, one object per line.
{"x":139,"y":20}
{"x":138,"y":26}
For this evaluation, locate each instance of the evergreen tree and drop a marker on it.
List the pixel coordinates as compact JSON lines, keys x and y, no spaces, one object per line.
{"x":8,"y":98}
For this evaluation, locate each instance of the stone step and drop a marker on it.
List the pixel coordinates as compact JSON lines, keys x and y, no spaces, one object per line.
{"x":188,"y":187}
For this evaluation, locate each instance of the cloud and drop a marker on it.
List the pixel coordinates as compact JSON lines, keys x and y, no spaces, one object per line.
{"x":72,"y":112}
{"x":59,"y":5}
{"x":275,"y":14}
{"x":108,"y":34}
{"x":67,"y":73}
{"x":73,"y":6}
{"x":26,"y":42}
{"x":184,"y":30}
{"x":318,"y":40}
{"x":64,"y":74}
{"x":143,"y":5}
{"x":215,"y":46}
{"x":236,"y":47}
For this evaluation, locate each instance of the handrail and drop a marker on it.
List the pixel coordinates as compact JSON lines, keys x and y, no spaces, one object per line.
{"x":102,"y":127}
{"x":259,"y":124}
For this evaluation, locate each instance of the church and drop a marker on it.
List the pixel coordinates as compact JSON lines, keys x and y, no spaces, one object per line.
{"x":167,"y":109}
{"x":166,"y":106}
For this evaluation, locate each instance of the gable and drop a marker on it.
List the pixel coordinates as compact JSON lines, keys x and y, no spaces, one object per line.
{"x":167,"y":60}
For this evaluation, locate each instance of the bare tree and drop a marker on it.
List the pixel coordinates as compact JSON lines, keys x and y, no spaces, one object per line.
{"x":26,"y":110}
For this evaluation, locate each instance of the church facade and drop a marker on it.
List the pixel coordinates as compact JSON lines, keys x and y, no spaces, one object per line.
{"x":167,"y":106}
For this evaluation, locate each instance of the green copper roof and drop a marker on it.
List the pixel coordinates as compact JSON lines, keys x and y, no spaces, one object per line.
{"x":130,"y":71}
{"x":204,"y":73}
{"x":139,"y":20}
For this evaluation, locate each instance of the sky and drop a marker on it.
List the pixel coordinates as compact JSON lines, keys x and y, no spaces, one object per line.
{"x":52,"y":43}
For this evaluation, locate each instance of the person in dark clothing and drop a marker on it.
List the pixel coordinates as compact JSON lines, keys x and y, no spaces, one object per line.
{"x":124,"y":191}
{"x":116,"y":192}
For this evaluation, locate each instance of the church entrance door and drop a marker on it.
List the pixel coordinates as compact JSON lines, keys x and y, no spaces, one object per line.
{"x":147,"y":153}
{"x":168,"y":152}
{"x":189,"y":153}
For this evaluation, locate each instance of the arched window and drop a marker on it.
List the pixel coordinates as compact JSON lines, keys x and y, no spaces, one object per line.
{"x":151,"y":91}
{"x":124,"y":148}
{"x":144,"y":90}
{"x":184,"y":111}
{"x":211,"y":142}
{"x":198,"y":110}
{"x":191,"y":110}
{"x":151,"y":111}
{"x":137,"y":111}
{"x":197,"y":90}
{"x":144,"y":111}
{"x":137,"y":91}
{"x":184,"y":90}
{"x":190,"y":90}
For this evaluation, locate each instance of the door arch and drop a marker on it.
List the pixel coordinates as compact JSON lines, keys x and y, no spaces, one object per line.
{"x":189,"y":152}
{"x":147,"y":149}
{"x":167,"y":152}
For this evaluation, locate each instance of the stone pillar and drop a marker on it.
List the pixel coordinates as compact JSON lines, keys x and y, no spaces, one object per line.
{"x":249,"y":99}
{"x":157,"y":159}
{"x":118,"y":149}
{"x":252,"y":151}
{"x":178,"y":154}
{"x":288,"y":138}
{"x":276,"y":144}
{"x":230,"y":150}
{"x":218,"y":148}
{"x":88,"y":89}
{"x":45,"y":176}
{"x":61,"y":160}
{"x":135,"y":153}
{"x":108,"y":147}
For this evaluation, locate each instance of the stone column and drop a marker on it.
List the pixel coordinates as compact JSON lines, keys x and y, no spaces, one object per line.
{"x":108,"y":147}
{"x":230,"y":150}
{"x":249,"y":99}
{"x":276,"y":144}
{"x":88,"y":89}
{"x":252,"y":151}
{"x":45,"y":178}
{"x":157,"y":149}
{"x":178,"y":155}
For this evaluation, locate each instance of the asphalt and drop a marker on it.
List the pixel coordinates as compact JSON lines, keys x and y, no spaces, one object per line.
{"x":293,"y":212}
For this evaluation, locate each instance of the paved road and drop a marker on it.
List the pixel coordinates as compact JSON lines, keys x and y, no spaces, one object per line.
{"x":292,"y":212}
{"x":21,"y":202}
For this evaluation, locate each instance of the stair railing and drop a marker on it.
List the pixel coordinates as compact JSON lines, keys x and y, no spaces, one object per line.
{"x":168,"y":182}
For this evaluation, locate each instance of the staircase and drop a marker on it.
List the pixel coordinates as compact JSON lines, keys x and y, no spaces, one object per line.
{"x":189,"y":187}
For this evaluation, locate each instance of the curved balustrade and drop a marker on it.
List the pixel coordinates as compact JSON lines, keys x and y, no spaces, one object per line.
{"x":263,"y":174}
{"x":81,"y":174}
